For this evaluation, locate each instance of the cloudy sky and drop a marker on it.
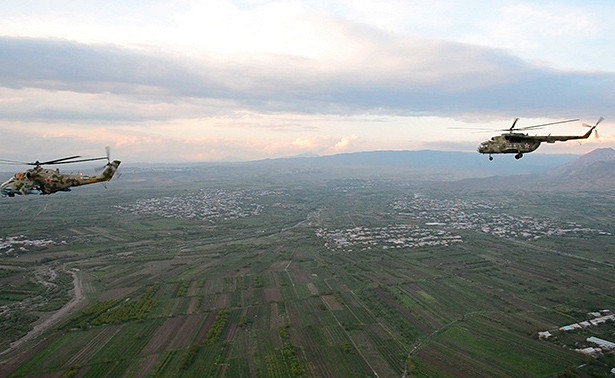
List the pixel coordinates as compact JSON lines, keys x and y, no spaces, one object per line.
{"x":185,"y":80}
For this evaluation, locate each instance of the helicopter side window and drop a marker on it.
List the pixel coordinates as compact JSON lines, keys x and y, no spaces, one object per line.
{"x":28,"y":175}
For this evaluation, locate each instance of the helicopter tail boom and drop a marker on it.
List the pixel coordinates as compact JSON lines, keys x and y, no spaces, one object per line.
{"x":587,"y":134}
{"x":108,"y":173}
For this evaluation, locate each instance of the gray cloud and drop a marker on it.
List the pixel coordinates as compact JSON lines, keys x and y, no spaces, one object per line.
{"x":402,"y":77}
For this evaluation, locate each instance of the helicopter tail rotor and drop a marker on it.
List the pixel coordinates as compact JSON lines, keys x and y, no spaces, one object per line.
{"x":593,"y":127}
{"x":108,"y":157}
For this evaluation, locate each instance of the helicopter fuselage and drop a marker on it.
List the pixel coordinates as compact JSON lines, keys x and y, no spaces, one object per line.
{"x":520,"y":143}
{"x":40,"y":180}
{"x":509,"y":143}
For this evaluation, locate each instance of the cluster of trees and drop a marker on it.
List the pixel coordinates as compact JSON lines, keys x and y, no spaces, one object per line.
{"x":258,"y":281}
{"x":118,"y":311}
{"x":182,"y":290}
{"x":290,"y":354}
{"x":213,"y":336}
{"x":190,"y":357}
{"x":15,"y":325}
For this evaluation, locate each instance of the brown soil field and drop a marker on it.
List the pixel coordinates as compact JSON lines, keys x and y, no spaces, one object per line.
{"x":177,"y":305}
{"x":147,"y":364}
{"x":275,"y":320}
{"x":272,"y":294}
{"x":209,"y":321}
{"x":194,"y":289}
{"x":332,"y":303}
{"x":117,"y":293}
{"x":299,"y":275}
{"x":193,"y":305}
{"x":213,"y":286}
{"x":223,"y":300}
{"x":187,"y":332}
{"x":232,"y":332}
{"x":163,"y":336}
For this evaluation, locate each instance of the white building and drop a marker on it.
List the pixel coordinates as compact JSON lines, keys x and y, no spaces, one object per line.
{"x":604,"y":344}
{"x":544,"y":335}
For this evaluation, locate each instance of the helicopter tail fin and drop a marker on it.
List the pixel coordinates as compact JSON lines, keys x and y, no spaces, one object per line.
{"x":587,"y":134}
{"x":109,"y":171}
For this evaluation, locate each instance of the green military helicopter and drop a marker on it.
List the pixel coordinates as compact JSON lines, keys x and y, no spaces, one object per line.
{"x":518,"y":143}
{"x":39,"y":180}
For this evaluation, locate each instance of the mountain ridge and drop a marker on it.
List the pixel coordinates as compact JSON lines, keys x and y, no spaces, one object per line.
{"x":594,"y":171}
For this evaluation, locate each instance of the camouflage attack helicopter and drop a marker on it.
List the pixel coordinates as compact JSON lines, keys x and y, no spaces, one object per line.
{"x":519,"y":143}
{"x":39,"y":180}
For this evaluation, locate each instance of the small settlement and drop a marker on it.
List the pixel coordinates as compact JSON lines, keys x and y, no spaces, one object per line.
{"x":595,"y":346}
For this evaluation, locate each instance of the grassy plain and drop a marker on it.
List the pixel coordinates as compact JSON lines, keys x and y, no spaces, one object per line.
{"x":262,"y":295}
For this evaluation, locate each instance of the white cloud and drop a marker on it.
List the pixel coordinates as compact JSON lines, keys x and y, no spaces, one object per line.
{"x":252,"y":79}
{"x":344,"y":144}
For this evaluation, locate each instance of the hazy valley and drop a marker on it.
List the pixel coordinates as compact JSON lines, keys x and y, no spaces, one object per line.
{"x":390,"y":263}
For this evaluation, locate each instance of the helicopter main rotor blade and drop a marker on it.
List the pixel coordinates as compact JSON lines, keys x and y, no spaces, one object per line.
{"x":546,"y":124}
{"x":513,"y":125}
{"x":471,"y":128}
{"x":12,"y":162}
{"x":53,"y":162}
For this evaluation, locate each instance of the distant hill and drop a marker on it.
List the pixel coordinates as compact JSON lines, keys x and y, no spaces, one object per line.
{"x":594,"y":160}
{"x":424,"y":164}
{"x":594,"y":171}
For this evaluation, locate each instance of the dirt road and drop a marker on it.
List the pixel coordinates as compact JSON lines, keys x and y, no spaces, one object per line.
{"x":55,"y":318}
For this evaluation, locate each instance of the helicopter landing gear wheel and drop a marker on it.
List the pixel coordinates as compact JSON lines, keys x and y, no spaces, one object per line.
{"x":518,"y":156}
{"x":490,"y":157}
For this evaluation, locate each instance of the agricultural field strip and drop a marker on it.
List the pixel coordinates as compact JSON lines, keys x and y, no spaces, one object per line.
{"x":93,"y":346}
{"x":380,"y":324}
{"x":290,"y":278}
{"x":561,"y":253}
{"x":345,"y":331}
{"x":424,"y":341}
